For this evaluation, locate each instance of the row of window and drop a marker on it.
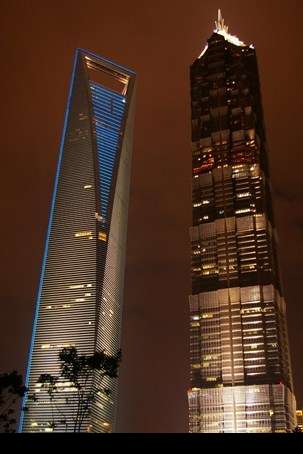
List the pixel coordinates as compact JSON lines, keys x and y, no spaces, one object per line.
{"x":89,"y":234}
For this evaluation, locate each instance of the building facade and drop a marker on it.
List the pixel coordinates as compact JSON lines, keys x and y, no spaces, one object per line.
{"x":80,"y":295}
{"x":241,"y":378}
{"x":299,"y":414}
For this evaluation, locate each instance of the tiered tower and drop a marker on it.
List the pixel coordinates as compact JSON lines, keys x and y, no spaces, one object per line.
{"x":241,"y":377}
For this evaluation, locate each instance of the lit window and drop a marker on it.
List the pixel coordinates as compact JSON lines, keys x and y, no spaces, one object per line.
{"x":253,"y":390}
{"x":207,"y":315}
{"x":48,"y":429}
{"x":208,"y":266}
{"x":243,"y":194}
{"x":102,"y":236}
{"x":87,"y":186}
{"x":65,"y":346}
{"x":205,"y":202}
{"x":244,"y":210}
{"x":99,"y":217}
{"x":79,"y":300}
{"x":197,"y":204}
{"x":83,"y":233}
{"x":205,"y":217}
{"x":66,"y":306}
{"x":34,"y":424}
{"x":208,"y":357}
{"x":196,"y":366}
{"x":76,"y":286}
{"x":48,"y":307}
{"x":194,"y":324}
{"x":88,"y":285}
{"x":44,"y":346}
{"x":253,"y":346}
{"x":251,"y":311}
{"x":87,"y":294}
{"x":211,"y":378}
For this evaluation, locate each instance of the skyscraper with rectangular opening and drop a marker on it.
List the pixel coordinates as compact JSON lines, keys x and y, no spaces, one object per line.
{"x":241,"y":377}
{"x":80,"y":294}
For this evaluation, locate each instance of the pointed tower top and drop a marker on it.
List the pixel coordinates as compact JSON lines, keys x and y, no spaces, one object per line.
{"x":220,"y":23}
{"x":222,"y":29}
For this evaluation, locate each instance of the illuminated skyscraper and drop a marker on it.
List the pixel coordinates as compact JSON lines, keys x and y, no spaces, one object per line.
{"x":80,"y":295}
{"x":241,"y":377}
{"x":299,"y":414}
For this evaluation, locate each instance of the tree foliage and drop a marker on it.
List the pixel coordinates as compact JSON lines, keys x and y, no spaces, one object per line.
{"x":11,"y":390}
{"x":78,"y":372}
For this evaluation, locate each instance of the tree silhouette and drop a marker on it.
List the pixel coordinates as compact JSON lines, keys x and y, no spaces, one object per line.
{"x":77,"y":373}
{"x":11,"y":390}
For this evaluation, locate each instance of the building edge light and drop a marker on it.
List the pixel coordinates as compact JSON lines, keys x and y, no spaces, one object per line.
{"x":203,"y":51}
{"x":50,"y":219}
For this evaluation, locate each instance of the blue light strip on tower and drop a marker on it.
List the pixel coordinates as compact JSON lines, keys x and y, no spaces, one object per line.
{"x":108,"y":109}
{"x":48,"y":237}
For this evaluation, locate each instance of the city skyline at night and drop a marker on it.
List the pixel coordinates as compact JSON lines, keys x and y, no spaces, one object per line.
{"x":241,"y":378}
{"x":159,"y":41}
{"x":81,"y":290}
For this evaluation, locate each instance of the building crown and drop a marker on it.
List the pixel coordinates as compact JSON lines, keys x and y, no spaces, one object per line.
{"x":222,"y":30}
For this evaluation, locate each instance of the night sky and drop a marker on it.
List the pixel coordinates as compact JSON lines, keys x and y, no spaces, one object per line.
{"x":159,"y":40}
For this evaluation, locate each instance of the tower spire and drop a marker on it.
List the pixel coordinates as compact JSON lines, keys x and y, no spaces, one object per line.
{"x":220,"y":26}
{"x":222,"y":29}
